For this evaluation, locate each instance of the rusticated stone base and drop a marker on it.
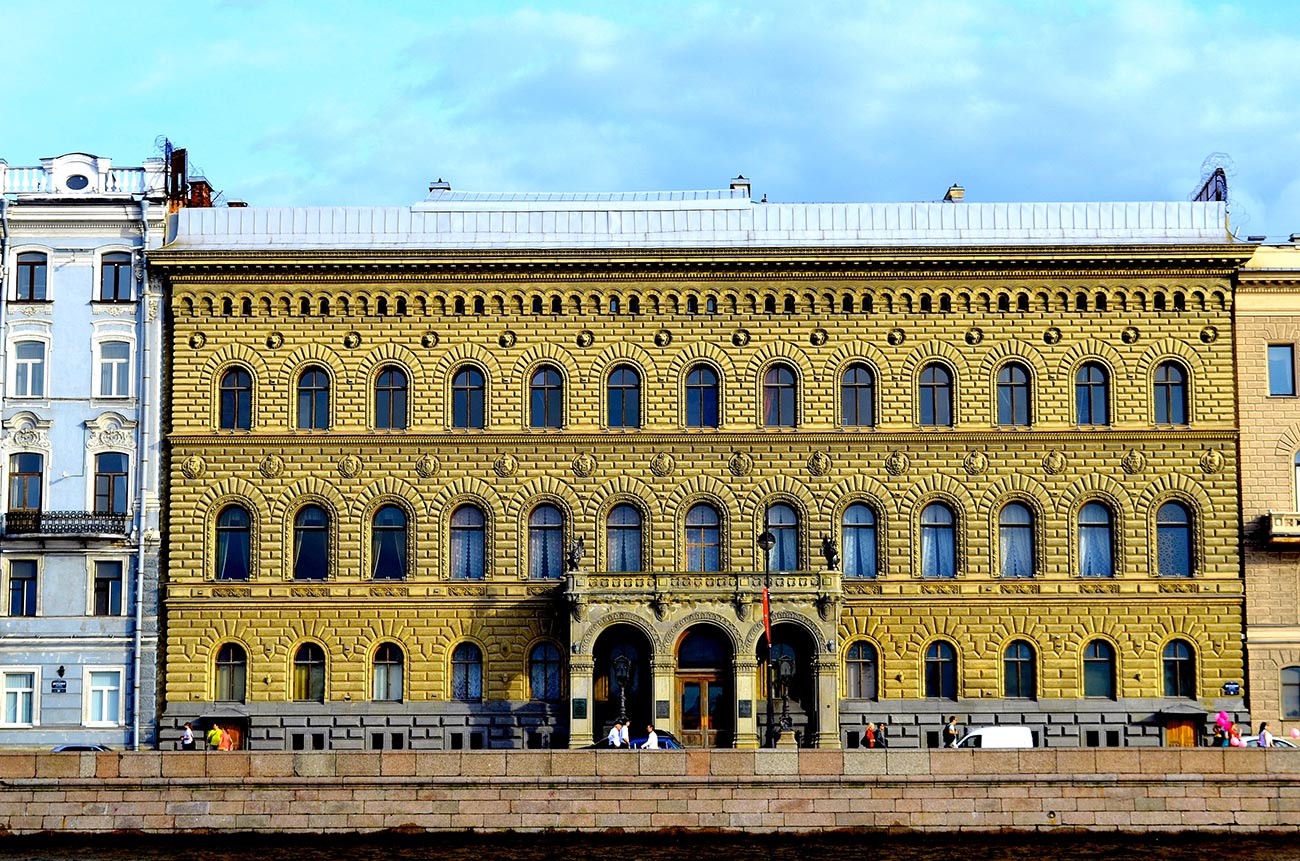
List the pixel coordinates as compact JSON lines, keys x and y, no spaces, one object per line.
{"x":1102,"y":790}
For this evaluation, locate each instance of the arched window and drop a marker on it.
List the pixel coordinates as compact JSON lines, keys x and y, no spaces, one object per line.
{"x":1290,"y":693}
{"x":1013,"y":396}
{"x":390,"y":399}
{"x":1180,"y":670}
{"x":234,"y":543}
{"x":710,"y":305}
{"x":936,"y":396}
{"x":547,"y":398}
{"x":783,"y":522}
{"x":545,"y":543}
{"x":614,"y":306}
{"x":860,"y":541}
{"x":1020,"y":676}
{"x":309,"y":674}
{"x":938,"y":541}
{"x":1096,"y":542}
{"x":692,"y":305}
{"x":479,"y":305}
{"x":311,"y":555}
{"x":624,"y":397}
{"x":314,"y":399}
{"x":467,"y":673}
{"x":941,"y":671}
{"x":1092,"y":395}
{"x":236,"y":411}
{"x":387,"y":672}
{"x":703,"y":539}
{"x":467,"y":398}
{"x":860,"y":671}
{"x":33,"y":269}
{"x":779,"y":392}
{"x":231,"y":674}
{"x":545,"y":672}
{"x":388,"y":543}
{"x":858,"y":397}
{"x":1016,"y":540}
{"x":1099,"y":670}
{"x":1174,"y":540}
{"x":623,"y":539}
{"x":1171,"y":394}
{"x":557,"y":305}
{"x":468,"y":543}
{"x":701,"y":397}
{"x":537,"y":304}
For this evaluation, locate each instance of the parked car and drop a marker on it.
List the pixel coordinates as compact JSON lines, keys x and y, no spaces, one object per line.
{"x":79,"y":748}
{"x":1253,"y":741}
{"x":998,"y":738}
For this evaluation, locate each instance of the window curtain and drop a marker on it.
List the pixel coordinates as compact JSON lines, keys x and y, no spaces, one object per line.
{"x":860,"y":551}
{"x":232,"y":555}
{"x":938,"y":551}
{"x":1095,"y":551}
{"x":785,"y":553}
{"x":467,"y":553}
{"x":544,"y":551}
{"x":1173,"y":551}
{"x":771,"y":405}
{"x":1016,"y":545}
{"x":389,"y":550}
{"x":625,"y":549}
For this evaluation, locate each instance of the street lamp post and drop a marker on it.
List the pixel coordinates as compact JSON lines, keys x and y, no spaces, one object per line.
{"x":766,"y":541}
{"x":622,"y":673}
{"x":785,"y":673}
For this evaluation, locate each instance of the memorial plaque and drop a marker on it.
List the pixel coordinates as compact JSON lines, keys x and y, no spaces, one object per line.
{"x":661,"y":709}
{"x":745,"y":708}
{"x":580,"y":709}
{"x":58,"y":686}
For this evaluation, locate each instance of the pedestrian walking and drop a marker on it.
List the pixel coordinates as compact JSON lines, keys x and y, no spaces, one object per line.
{"x":950,"y":733}
{"x":651,"y":738}
{"x":882,"y":739}
{"x":616,"y":734}
{"x":187,"y":738}
{"x":214,"y":736}
{"x":871,"y":735}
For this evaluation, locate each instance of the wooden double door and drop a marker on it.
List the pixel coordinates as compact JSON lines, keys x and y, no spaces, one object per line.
{"x":706,"y":709}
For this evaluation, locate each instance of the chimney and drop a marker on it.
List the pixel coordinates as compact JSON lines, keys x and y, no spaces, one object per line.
{"x":740,"y":187}
{"x":440,"y":185}
{"x":200,"y":193}
{"x":955,"y":194}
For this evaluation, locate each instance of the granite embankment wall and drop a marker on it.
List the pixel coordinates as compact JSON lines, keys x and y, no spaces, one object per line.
{"x":1117,"y":789}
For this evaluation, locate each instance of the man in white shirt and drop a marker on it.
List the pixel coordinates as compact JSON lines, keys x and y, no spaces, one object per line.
{"x":616,"y":734}
{"x":626,"y":738}
{"x":651,"y":739}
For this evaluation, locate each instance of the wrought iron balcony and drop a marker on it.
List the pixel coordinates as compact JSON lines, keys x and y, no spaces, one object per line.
{"x":1284,"y":528}
{"x":68,"y":523}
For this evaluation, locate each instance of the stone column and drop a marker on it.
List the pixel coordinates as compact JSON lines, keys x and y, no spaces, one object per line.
{"x":746,"y":673}
{"x":665,"y":673}
{"x":581,"y":670}
{"x":828,"y":702}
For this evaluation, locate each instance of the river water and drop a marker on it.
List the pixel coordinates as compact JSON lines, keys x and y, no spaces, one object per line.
{"x":661,"y":847}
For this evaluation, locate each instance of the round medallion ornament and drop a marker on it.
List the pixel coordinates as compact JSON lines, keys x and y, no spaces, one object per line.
{"x":426,"y":466}
{"x":1130,"y":335}
{"x":271,"y":466}
{"x":197,"y":340}
{"x":1052,"y":336}
{"x":586,"y":338}
{"x":819,"y":463}
{"x":1209,"y":335}
{"x":1133,"y":462}
{"x":975,"y":337}
{"x":819,"y":337}
{"x":740,"y":464}
{"x":663,"y":338}
{"x":740,"y":338}
{"x":897,"y":463}
{"x":976,"y":463}
{"x":429,"y":340}
{"x":193,"y":466}
{"x":896,"y":337}
{"x":662,"y":464}
{"x":505,"y":465}
{"x":1054,"y":463}
{"x":584,"y":465}
{"x":507,"y":339}
{"x":275,"y":340}
{"x":1211,"y":462}
{"x":352,"y":340}
{"x":350,"y":466}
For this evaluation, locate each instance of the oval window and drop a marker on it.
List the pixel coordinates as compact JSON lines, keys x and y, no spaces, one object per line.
{"x":76,"y":182}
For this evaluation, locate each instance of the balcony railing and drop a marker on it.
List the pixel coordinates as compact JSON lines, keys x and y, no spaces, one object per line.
{"x":38,"y":180}
{"x":33,"y":523}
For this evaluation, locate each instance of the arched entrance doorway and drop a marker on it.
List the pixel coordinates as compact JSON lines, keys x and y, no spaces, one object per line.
{"x":793,"y":644}
{"x":621,"y":677}
{"x":706,"y":690}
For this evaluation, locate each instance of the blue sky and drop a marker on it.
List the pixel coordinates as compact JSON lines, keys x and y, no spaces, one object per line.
{"x":365,"y":102}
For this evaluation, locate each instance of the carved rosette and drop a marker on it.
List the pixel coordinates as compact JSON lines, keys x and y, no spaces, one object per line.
{"x":662,"y":464}
{"x":507,"y":339}
{"x":819,"y":463}
{"x":1052,"y":336}
{"x":197,"y":340}
{"x":1054,"y":463}
{"x":740,"y":338}
{"x":1133,"y":462}
{"x":586,"y":338}
{"x":584,"y":465}
{"x":275,"y":340}
{"x":976,"y":463}
{"x":352,"y":340}
{"x":897,"y":463}
{"x":1211,"y":462}
{"x":426,"y":466}
{"x":271,"y":466}
{"x":505,"y":465}
{"x":740,"y":464}
{"x":429,"y":340}
{"x":819,"y":337}
{"x":193,"y":467}
{"x":350,"y":466}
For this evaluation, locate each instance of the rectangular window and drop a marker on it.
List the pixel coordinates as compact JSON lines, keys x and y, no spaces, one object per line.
{"x":32,"y":269}
{"x":1281,"y":369}
{"x":114,"y":369}
{"x":104,"y":698}
{"x":110,"y":483}
{"x":22,"y":587}
{"x":29,"y":369}
{"x":20,"y":698}
{"x":108,"y":588}
{"x":115,"y":277}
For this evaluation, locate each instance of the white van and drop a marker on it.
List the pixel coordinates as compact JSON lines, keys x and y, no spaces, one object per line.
{"x":998,"y":738}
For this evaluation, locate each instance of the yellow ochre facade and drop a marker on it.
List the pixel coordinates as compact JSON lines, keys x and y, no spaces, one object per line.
{"x":999,"y":475}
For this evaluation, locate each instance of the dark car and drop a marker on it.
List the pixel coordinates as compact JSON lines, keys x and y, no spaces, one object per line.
{"x":80,"y":748}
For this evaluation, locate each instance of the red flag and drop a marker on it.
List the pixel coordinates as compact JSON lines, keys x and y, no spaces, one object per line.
{"x":767,"y":619}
